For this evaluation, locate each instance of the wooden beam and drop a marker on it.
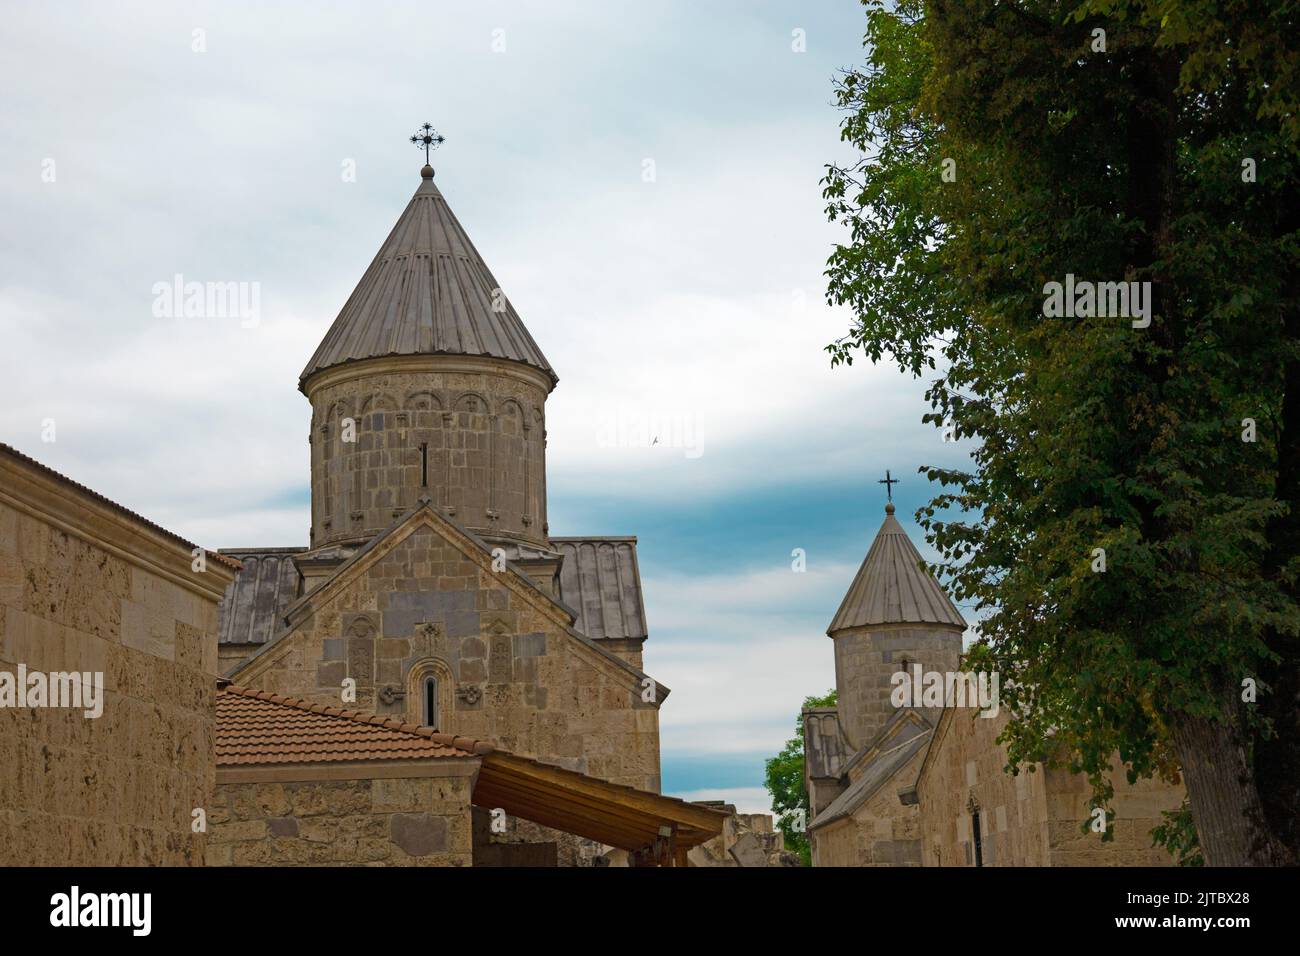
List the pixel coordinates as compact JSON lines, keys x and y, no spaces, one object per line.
{"x":542,"y":807}
{"x":678,"y":811}
{"x":494,"y":777}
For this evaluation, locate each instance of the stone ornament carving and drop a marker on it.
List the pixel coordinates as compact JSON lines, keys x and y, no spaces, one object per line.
{"x":390,"y":694}
{"x":470,"y":693}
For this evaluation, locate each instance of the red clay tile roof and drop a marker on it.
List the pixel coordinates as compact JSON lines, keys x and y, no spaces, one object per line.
{"x":254,"y":727}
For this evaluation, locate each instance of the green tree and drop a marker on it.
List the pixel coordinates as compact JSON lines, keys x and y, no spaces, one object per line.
{"x":785,"y":782}
{"x":1130,"y":542}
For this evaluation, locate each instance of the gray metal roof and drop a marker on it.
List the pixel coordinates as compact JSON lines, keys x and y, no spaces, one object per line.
{"x":892,"y":587}
{"x":600,"y":581}
{"x":254,"y":604}
{"x":427,"y":292}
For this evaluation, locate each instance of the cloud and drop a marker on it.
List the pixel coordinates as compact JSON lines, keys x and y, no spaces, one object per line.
{"x":745,"y":799}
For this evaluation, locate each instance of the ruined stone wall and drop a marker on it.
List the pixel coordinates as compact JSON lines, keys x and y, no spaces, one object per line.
{"x":747,"y":839}
{"x":508,"y":672}
{"x":866,"y":660}
{"x":412,"y":821}
{"x":119,"y":789}
{"x":483,"y":428}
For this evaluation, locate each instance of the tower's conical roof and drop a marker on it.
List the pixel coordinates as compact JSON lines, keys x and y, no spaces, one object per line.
{"x":891,"y":587}
{"x":427,"y":292}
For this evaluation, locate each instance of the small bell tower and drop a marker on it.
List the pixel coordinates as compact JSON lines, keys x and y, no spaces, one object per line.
{"x":894,"y":615}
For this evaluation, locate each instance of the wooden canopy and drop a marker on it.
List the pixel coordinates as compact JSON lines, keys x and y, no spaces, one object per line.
{"x":654,"y":829}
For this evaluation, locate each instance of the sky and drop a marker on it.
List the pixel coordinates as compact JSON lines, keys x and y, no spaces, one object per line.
{"x":642,"y":178}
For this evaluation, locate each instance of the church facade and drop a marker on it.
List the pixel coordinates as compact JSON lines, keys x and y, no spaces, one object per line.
{"x":920,"y":780}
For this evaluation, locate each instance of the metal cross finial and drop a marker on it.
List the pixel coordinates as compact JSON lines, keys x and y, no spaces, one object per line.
{"x":889,"y":483}
{"x":427,"y":138}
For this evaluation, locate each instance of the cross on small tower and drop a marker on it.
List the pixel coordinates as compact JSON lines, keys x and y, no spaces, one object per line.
{"x":889,"y":483}
{"x":427,"y":138}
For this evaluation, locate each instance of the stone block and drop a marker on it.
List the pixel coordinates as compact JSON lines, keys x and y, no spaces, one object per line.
{"x":419,"y":834}
{"x":530,"y":645}
{"x":282,"y":827}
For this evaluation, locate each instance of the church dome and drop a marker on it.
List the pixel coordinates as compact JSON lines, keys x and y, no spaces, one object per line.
{"x":891,"y":587}
{"x":427,"y":292}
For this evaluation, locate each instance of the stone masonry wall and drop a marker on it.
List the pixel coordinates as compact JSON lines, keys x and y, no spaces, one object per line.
{"x":485,"y":462}
{"x":865,"y":663}
{"x":1138,"y":809}
{"x":228,"y":655}
{"x":509,"y":673}
{"x":117,"y":790}
{"x":968,"y":765}
{"x":881,"y":832}
{"x":1031,"y":819}
{"x":405,"y":821}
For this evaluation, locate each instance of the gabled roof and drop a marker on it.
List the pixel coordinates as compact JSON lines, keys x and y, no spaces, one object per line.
{"x":892,"y":587}
{"x":256,"y":600}
{"x":254,"y":727}
{"x":424,"y":513}
{"x":887,"y":753}
{"x":427,"y":292}
{"x":600,"y":580}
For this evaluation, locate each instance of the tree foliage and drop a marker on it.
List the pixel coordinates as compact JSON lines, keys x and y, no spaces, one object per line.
{"x":1124,"y":163}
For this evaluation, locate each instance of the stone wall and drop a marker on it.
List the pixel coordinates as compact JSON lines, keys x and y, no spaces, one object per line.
{"x":881,"y":832}
{"x":509,"y":672}
{"x":85,"y":588}
{"x":966,"y":765}
{"x":482,"y":425}
{"x":866,"y":660}
{"x":1138,"y":810}
{"x":401,"y":821}
{"x":524,"y":843}
{"x":1031,"y":819}
{"x":228,"y":655}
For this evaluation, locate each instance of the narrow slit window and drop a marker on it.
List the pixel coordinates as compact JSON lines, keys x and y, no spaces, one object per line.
{"x":431,"y":702}
{"x":979,"y":839}
{"x":424,"y":464}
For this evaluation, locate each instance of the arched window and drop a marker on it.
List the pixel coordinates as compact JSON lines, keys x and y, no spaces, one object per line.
{"x":429,"y":689}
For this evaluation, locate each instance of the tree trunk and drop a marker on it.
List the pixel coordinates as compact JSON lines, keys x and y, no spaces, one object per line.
{"x":1221,"y":788}
{"x":1225,"y":804}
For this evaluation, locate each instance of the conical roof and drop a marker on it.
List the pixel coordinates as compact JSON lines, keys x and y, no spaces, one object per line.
{"x":427,"y":292}
{"x":891,"y":587}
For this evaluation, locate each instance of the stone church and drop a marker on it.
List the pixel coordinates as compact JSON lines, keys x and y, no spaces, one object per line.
{"x":918,"y":785}
{"x":435,"y":679}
